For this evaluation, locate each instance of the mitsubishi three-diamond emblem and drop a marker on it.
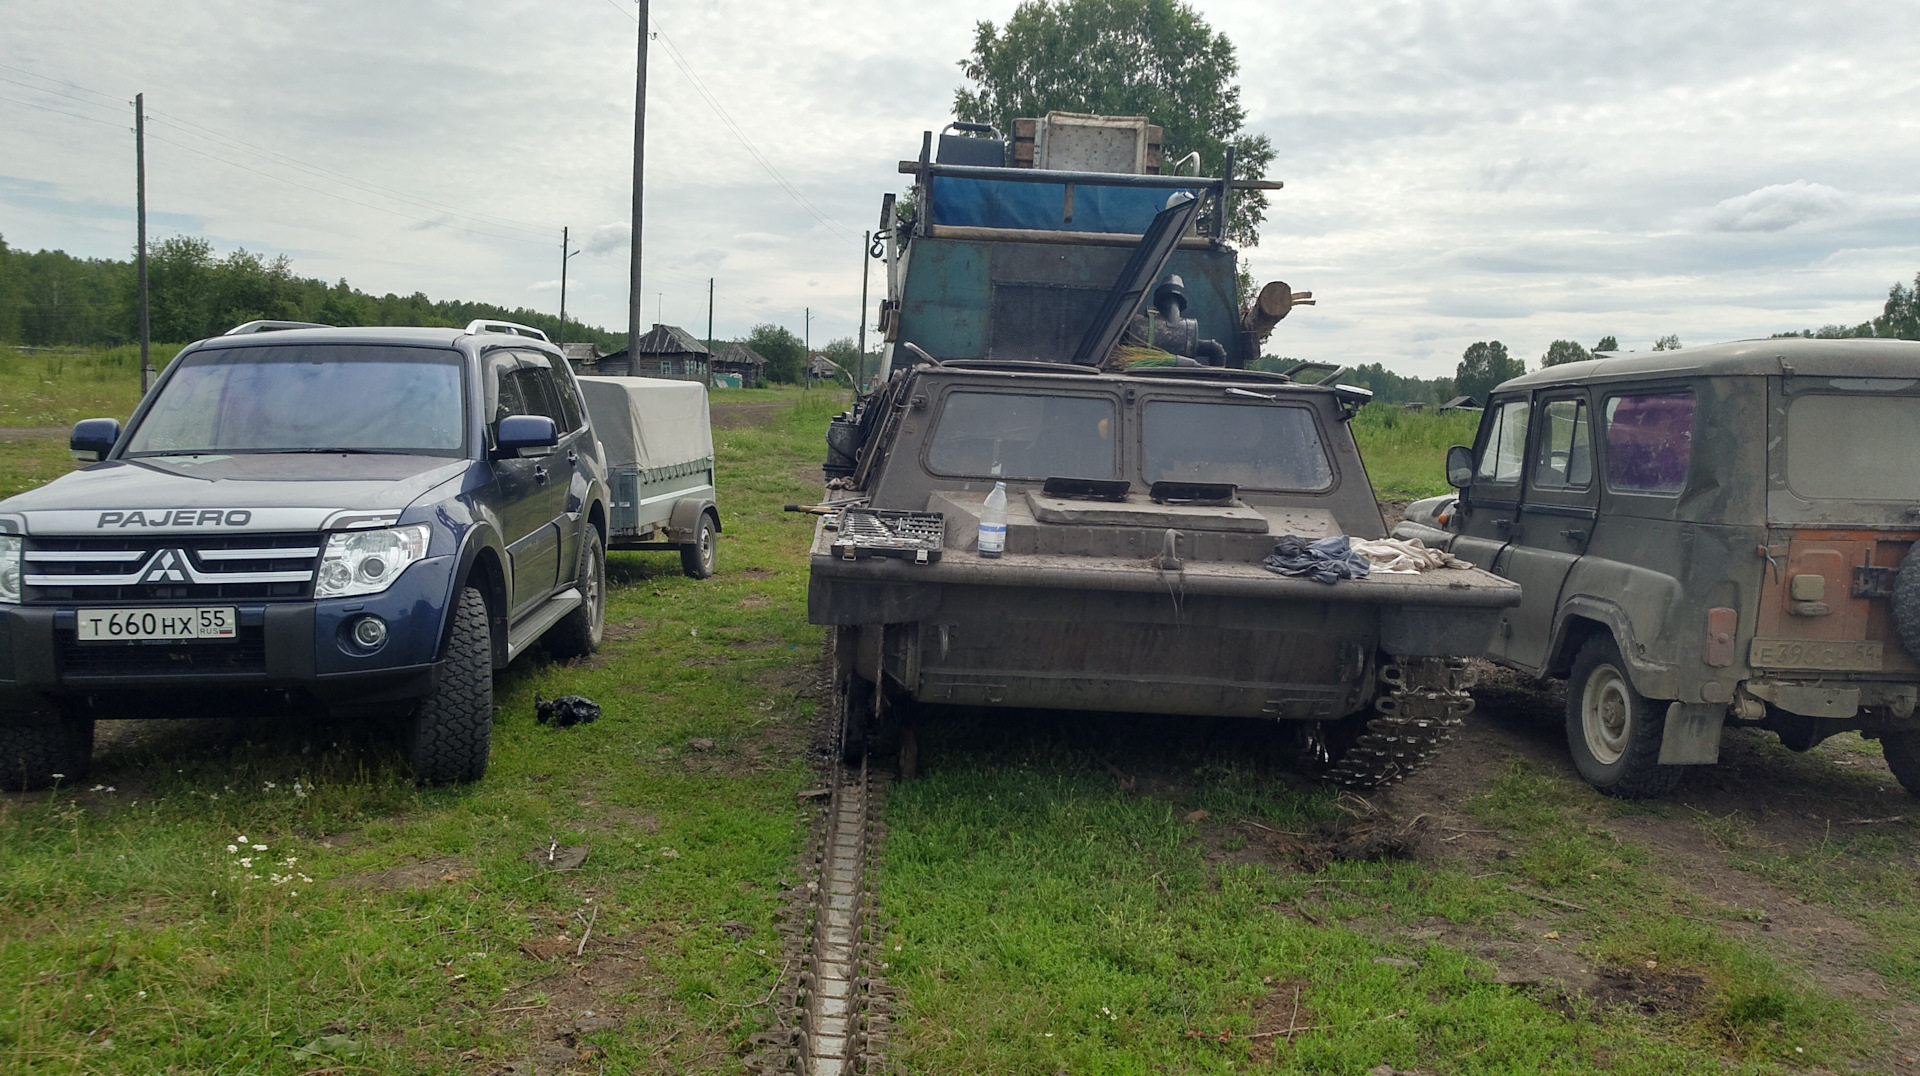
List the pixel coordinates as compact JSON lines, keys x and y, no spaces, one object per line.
{"x":166,"y":567}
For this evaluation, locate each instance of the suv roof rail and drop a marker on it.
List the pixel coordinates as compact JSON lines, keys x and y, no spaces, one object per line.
{"x":272,"y":326}
{"x":510,"y":328}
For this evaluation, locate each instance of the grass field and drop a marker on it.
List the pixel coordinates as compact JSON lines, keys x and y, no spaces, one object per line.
{"x":1086,"y":894}
{"x":1406,"y":451}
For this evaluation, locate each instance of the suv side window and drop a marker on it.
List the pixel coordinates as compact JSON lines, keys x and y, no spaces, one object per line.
{"x":536,"y":386}
{"x":503,"y":388}
{"x":1649,"y":441}
{"x":562,"y":388}
{"x":1564,"y":459}
{"x":1504,"y":455}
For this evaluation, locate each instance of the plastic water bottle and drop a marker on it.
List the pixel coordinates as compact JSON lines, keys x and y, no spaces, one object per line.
{"x":993,"y":522}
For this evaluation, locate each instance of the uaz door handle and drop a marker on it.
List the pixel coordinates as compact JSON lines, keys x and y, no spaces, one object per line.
{"x":539,"y":474}
{"x":1574,"y":534}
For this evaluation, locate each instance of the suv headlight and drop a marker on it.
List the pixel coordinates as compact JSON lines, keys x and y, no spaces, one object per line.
{"x":10,"y":547}
{"x":367,"y":562}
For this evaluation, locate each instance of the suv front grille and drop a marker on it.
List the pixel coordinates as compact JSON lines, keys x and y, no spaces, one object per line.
{"x":171,"y":568}
{"x":246,"y":653}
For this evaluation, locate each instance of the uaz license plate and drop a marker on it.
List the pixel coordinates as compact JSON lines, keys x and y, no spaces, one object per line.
{"x":142,"y":625}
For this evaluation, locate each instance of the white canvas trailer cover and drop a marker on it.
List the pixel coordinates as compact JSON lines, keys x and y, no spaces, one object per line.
{"x":658,"y":443}
{"x":649,"y":423}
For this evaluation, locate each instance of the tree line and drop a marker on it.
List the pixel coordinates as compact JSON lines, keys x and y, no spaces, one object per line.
{"x":50,"y":298}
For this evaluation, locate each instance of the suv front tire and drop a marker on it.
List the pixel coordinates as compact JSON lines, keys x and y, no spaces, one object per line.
{"x":452,"y":732}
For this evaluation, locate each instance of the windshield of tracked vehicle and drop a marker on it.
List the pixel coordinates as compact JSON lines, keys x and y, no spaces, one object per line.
{"x":1253,"y":446}
{"x":308,"y":398}
{"x":1856,"y":447}
{"x":1023,"y":436}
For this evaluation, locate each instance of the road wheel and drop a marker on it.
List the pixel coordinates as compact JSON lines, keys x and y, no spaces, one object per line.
{"x":40,"y":750}
{"x":1903,"y":758}
{"x":697,"y":557}
{"x":1613,"y":731}
{"x":453,"y":727}
{"x":1906,"y":602}
{"x":580,"y":633}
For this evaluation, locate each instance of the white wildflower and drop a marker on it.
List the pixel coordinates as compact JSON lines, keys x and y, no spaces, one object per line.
{"x":232,"y":848}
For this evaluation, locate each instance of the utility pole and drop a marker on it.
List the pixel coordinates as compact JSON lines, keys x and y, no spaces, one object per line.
{"x":639,"y":174}
{"x":140,"y":181}
{"x":564,"y":256}
{"x":860,"y":362}
{"x":709,"y":312}
{"x":806,"y":345}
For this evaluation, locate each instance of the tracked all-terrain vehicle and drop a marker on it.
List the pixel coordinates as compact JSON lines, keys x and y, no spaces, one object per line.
{"x":1149,"y":475}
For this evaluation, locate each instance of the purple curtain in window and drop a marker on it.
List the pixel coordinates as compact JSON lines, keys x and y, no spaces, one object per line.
{"x":1649,"y":442}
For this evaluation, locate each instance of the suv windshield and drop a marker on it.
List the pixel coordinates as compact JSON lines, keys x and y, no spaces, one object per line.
{"x":1856,"y":447}
{"x":308,"y":398}
{"x":1253,"y":446}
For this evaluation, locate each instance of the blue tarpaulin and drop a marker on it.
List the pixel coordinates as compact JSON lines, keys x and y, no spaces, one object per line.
{"x":987,"y":203}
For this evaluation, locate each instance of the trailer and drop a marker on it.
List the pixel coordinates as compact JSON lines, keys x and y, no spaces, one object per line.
{"x":658,"y":443}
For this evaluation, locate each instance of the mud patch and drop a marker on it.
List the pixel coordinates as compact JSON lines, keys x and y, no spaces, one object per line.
{"x":1653,"y":991}
{"x":739,"y":416}
{"x":1393,"y":511}
{"x":411,"y":876}
{"x":757,"y":573}
{"x":754,"y":601}
{"x":1278,"y":1016}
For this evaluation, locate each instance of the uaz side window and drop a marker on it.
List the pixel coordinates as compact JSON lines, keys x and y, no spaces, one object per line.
{"x":1504,"y":455}
{"x":1649,"y":442}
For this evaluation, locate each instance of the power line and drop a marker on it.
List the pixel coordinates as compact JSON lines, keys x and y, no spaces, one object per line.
{"x":61,"y":112}
{"x":686,"y":69}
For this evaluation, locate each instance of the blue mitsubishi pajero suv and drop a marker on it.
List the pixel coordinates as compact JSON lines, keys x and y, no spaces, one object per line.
{"x":367,"y":519}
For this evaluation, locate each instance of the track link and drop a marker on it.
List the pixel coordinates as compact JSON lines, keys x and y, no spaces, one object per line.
{"x":834,"y":1017}
{"x":1424,"y":700}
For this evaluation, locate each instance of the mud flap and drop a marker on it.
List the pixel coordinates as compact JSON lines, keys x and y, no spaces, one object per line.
{"x":1692,"y":736}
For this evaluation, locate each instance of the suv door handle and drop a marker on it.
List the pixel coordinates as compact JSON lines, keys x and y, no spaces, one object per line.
{"x":540,"y":474}
{"x":572,"y":456}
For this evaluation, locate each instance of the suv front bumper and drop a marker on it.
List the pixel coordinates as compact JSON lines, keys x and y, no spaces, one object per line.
{"x":302,"y":646}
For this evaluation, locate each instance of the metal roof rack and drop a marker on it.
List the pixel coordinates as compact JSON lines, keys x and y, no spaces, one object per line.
{"x":272,"y":326}
{"x":509,"y":328}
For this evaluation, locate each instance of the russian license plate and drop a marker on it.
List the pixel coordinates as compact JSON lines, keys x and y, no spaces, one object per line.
{"x":1834,"y":656}
{"x":144,"y":625}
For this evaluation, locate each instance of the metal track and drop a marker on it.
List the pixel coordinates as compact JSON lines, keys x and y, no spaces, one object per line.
{"x":833,"y":1019}
{"x":1424,"y":701}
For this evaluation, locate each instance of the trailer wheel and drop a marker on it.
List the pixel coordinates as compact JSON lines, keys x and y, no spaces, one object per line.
{"x":1613,"y":731}
{"x":1903,"y":758}
{"x":41,"y":750}
{"x":452,"y":732}
{"x":697,"y":557}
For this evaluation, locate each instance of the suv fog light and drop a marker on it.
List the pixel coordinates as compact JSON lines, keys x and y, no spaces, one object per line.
{"x":370,"y":632}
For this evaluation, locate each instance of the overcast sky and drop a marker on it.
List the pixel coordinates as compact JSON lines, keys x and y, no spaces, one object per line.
{"x":1455,"y":172}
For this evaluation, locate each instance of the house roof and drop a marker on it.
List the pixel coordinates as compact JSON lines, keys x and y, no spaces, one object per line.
{"x":586,"y":352}
{"x":1460,"y":401}
{"x":739,"y":354}
{"x":670,"y":340}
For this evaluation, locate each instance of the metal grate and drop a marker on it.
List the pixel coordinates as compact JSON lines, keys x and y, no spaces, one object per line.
{"x":889,"y":532}
{"x":245,"y":654}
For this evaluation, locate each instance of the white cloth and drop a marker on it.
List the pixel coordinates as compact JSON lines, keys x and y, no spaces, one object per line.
{"x":1406,"y":556}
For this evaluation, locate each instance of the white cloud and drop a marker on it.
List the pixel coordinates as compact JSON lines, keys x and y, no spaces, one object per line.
{"x":1777,"y":206}
{"x":546,"y":285}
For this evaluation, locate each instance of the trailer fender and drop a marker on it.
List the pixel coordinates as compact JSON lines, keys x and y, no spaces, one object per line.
{"x":684,"y":524}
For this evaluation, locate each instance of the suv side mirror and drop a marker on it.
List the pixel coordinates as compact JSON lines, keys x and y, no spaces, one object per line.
{"x":1459,"y":466}
{"x":525,"y":435}
{"x":93,"y":438}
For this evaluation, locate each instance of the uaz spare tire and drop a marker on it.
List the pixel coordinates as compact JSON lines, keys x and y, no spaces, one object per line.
{"x":1906,"y":602}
